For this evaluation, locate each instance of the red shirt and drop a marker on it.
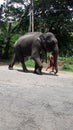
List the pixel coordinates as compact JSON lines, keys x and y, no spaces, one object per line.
{"x":51,"y":60}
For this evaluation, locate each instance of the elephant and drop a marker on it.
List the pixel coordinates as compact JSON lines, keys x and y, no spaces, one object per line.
{"x":33,"y":44}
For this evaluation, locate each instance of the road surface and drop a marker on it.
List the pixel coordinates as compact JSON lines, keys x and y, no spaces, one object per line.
{"x":35,"y":102}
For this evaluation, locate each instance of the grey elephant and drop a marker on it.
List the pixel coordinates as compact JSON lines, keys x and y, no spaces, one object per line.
{"x":33,"y":44}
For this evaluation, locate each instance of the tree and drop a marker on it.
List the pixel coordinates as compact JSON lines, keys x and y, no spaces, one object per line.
{"x":31,"y":16}
{"x":11,"y":19}
{"x":55,"y":16}
{"x":50,"y":15}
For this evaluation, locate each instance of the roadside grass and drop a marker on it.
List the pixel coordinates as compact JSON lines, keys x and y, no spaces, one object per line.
{"x":67,"y":67}
{"x":67,"y":63}
{"x":64,"y":63}
{"x":30,"y":63}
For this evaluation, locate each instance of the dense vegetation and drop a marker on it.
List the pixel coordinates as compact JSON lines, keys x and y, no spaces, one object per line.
{"x":49,"y":15}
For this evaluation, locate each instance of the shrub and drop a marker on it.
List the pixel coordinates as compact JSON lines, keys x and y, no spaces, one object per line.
{"x":67,"y":67}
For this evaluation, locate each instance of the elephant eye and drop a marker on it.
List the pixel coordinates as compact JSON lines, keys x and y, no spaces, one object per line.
{"x":49,"y":39}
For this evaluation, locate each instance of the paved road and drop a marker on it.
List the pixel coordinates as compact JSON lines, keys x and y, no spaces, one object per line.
{"x":35,"y":102}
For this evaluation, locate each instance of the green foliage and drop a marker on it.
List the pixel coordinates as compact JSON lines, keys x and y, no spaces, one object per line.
{"x":50,"y":15}
{"x":68,"y":64}
{"x":13,"y":40}
{"x":67,"y":67}
{"x":55,"y":16}
{"x":30,"y":63}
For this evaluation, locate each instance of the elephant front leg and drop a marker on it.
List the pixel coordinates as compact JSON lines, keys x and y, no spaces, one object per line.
{"x":36,"y":57}
{"x":24,"y":68}
{"x":38,"y":66}
{"x":55,"y":54}
{"x":56,"y":69}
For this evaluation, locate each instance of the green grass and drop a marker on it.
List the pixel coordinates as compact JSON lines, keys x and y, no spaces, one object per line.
{"x":68,"y":63}
{"x":67,"y":67}
{"x":30,"y":63}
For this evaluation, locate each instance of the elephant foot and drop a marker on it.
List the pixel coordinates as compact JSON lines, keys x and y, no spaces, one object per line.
{"x":56,"y":70}
{"x":10,"y":67}
{"x":25,"y":69}
{"x":38,"y":71}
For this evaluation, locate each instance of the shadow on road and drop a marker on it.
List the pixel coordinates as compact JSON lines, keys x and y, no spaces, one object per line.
{"x":43,"y":73}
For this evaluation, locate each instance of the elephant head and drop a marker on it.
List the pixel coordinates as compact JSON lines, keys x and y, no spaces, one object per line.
{"x":50,"y":43}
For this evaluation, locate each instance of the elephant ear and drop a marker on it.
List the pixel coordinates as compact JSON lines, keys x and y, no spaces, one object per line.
{"x":42,"y":38}
{"x":43,"y":44}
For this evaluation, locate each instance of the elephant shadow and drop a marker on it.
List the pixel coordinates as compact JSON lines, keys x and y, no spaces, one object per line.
{"x":49,"y":74}
{"x":29,"y":71}
{"x":43,"y":73}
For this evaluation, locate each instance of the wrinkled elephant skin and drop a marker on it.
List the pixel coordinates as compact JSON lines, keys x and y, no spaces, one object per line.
{"x":33,"y":44}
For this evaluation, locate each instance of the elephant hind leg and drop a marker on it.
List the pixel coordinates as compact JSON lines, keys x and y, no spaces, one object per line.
{"x":12,"y":62}
{"x":23,"y":64}
{"x":24,"y":67}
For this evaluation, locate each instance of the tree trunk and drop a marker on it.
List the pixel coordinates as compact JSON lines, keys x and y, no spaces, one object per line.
{"x":6,"y":50}
{"x":31,"y":17}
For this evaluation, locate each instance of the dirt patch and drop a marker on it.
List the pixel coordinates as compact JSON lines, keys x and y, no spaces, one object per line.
{"x":3,"y":63}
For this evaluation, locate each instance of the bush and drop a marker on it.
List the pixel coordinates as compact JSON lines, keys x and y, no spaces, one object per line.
{"x":68,"y":63}
{"x":67,"y":67}
{"x":30,"y":63}
{"x":13,"y":40}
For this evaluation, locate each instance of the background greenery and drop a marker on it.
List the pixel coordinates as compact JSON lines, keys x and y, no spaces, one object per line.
{"x":50,"y":15}
{"x":64,"y":63}
{"x":67,"y":63}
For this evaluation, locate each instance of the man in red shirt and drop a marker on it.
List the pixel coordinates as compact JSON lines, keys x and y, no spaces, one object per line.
{"x":51,"y":64}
